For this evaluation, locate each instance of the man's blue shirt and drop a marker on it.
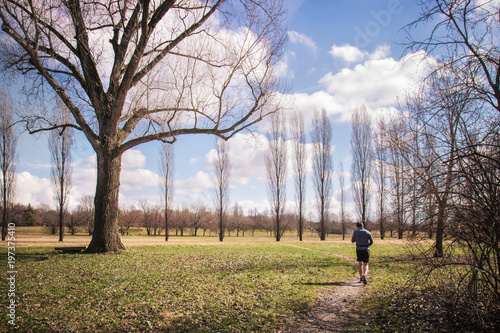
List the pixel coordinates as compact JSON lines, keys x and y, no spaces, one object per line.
{"x":363,"y":239}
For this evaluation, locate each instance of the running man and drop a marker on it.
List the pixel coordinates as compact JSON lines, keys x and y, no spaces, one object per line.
{"x":363,"y":239}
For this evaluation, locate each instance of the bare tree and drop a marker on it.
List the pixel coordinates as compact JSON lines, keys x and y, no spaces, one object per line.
{"x":381,"y":148}
{"x":73,"y":223}
{"x":129,"y":219}
{"x":464,"y":33}
{"x":148,"y":216}
{"x":362,"y":156}
{"x":476,"y":213}
{"x":298,"y":136}
{"x":222,"y":169}
{"x":181,"y":220}
{"x":197,"y":217}
{"x":396,"y":137}
{"x":137,"y":71}
{"x":461,"y":165}
{"x":49,"y":219}
{"x":276,"y":166}
{"x":343,"y":213}
{"x":60,"y":142}
{"x":439,"y":110}
{"x":156,"y":219}
{"x":238,"y":219}
{"x":86,"y":206}
{"x":167,"y":169}
{"x":7,"y":157}
{"x":322,"y":167}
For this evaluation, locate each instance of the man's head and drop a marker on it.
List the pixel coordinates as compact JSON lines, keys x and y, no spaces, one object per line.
{"x":359,"y":225}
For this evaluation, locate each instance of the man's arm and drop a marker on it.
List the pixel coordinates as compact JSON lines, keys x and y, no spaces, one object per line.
{"x":353,"y":238}
{"x":370,"y":240}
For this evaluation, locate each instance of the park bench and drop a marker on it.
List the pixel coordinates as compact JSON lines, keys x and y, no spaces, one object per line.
{"x":71,"y":249}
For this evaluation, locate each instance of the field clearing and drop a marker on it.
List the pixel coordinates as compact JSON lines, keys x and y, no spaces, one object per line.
{"x":37,"y":237}
{"x":188,"y":284}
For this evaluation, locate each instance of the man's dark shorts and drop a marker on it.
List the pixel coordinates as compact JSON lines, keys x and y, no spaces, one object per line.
{"x":363,"y":255}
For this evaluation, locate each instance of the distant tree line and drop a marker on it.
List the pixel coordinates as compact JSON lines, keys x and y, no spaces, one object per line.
{"x":149,"y":219}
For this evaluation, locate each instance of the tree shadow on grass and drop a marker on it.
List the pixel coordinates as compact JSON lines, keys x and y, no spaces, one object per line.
{"x":26,"y":257}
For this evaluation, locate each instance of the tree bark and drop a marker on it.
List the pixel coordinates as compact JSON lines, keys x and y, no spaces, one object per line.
{"x":105,"y":237}
{"x":438,"y":249}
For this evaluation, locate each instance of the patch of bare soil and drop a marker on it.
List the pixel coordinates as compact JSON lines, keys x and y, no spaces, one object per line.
{"x":334,"y":310}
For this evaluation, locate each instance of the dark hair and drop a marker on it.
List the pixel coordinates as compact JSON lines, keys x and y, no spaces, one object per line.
{"x":359,"y":225}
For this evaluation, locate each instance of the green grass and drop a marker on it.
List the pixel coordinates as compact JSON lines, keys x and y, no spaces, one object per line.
{"x":197,"y":284}
{"x":233,"y":288}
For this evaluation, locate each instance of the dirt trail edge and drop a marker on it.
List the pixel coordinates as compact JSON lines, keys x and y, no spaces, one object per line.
{"x":334,"y":308}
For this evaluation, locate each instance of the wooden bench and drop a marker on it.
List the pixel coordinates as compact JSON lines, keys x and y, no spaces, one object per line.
{"x":71,"y":249}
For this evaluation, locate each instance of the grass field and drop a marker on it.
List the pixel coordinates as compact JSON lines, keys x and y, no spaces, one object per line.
{"x":188,"y":284}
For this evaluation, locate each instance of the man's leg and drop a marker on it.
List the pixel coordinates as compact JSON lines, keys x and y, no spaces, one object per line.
{"x":360,"y":268}
{"x":365,"y":268}
{"x":365,"y":272}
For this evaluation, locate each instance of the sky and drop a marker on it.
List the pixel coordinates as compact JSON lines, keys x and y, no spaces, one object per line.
{"x":341,"y":54}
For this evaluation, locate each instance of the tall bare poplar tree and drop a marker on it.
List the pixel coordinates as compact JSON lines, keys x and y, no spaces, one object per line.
{"x":362,"y":155}
{"x":396,"y":131}
{"x":222,"y":170}
{"x":132,"y":72}
{"x":343,"y":213}
{"x":321,"y":137}
{"x":167,"y":169}
{"x":60,"y":142}
{"x":276,"y":166}
{"x":7,"y":157}
{"x":380,"y":142}
{"x":298,"y":136}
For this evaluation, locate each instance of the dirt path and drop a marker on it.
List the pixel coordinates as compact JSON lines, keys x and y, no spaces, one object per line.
{"x":334,"y":309}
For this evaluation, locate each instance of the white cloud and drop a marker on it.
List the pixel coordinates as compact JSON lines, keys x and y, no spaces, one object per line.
{"x":194,"y":160}
{"x":307,"y":103}
{"x":39,"y":191}
{"x":298,"y":38}
{"x":490,"y":5}
{"x":248,"y":206}
{"x":133,"y":158}
{"x":348,"y":53}
{"x":246,"y":158}
{"x":352,"y":54}
{"x":138,"y":179}
{"x":381,"y":52}
{"x":376,"y":83}
{"x":193,"y":188}
{"x":33,"y":190}
{"x":87,"y":162}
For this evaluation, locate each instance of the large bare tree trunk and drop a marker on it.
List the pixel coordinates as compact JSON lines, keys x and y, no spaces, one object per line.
{"x":438,"y":248}
{"x":128,"y":79}
{"x":105,"y":237}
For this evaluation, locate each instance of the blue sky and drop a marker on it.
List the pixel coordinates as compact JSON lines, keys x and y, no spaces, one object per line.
{"x":340,"y":54}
